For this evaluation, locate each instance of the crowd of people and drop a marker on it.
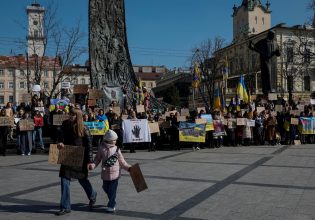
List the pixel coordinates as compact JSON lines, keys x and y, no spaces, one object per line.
{"x":271,"y":126}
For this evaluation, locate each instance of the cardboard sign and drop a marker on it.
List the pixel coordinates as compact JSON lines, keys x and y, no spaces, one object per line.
{"x":312,"y":101}
{"x":297,"y":142}
{"x":137,"y":178}
{"x":6,"y":121}
{"x":278,"y":108}
{"x":250,"y":123}
{"x":96,"y":94}
{"x":80,"y":89}
{"x":58,"y":119}
{"x":65,"y":85}
{"x":300,"y":107}
{"x":124,"y":117}
{"x":26,"y":125}
{"x":181,"y":118}
{"x":201,"y":108}
{"x":140,"y":108}
{"x":154,"y":127}
{"x":260,"y":109}
{"x":272,"y":96}
{"x":70,"y":155}
{"x":231,"y":123}
{"x":293,"y":112}
{"x":294,"y":121}
{"x":184,"y":112}
{"x":241,"y":121}
{"x":26,"y":98}
{"x":116,"y":110}
{"x":91,"y":102}
{"x":200,"y":121}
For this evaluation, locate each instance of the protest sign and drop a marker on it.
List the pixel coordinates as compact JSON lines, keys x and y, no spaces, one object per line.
{"x":70,"y":155}
{"x":91,"y":102}
{"x":307,"y":125}
{"x":241,"y":121}
{"x":154,"y":127}
{"x":184,"y":112}
{"x":293,"y":112}
{"x":218,"y":128}
{"x":191,"y":132}
{"x":117,"y":110}
{"x":59,"y":119}
{"x":40,"y":109}
{"x":312,"y":101}
{"x":96,"y":128}
{"x":6,"y":121}
{"x":181,"y":118}
{"x":278,"y":108}
{"x":272,"y":96}
{"x":231,"y":123}
{"x":140,"y":108}
{"x":300,"y":107}
{"x":137,"y":178}
{"x":96,"y":94}
{"x":260,"y":109}
{"x":294,"y":121}
{"x":80,"y":89}
{"x":297,"y":142}
{"x":26,"y":125}
{"x":201,"y":121}
{"x":209,"y":124}
{"x":250,"y":123}
{"x":136,"y":130}
{"x":65,"y":85}
{"x":26,"y":98}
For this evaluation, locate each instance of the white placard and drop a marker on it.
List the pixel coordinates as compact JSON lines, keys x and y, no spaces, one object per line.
{"x":65,"y":85}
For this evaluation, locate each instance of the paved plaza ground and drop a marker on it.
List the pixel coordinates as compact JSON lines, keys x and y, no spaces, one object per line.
{"x":256,"y":182}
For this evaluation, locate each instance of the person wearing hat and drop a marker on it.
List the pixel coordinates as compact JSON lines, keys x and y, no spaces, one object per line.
{"x":112,"y":163}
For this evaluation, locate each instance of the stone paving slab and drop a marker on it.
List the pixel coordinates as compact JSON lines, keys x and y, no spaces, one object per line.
{"x":255,"y":182}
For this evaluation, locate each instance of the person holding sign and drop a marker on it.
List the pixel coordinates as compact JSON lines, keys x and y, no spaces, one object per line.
{"x":25,"y":135}
{"x":74,"y":133}
{"x":112,"y":162}
{"x":4,"y":130}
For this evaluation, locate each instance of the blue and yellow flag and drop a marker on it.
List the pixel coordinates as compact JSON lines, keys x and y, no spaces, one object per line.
{"x":196,"y":76}
{"x":241,"y":91}
{"x":217,"y":99}
{"x":225,"y":69}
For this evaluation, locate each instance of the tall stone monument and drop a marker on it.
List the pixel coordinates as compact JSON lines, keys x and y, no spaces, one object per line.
{"x":111,"y":68}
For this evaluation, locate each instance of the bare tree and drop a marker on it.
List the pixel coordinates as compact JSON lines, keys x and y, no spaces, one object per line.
{"x":204,"y":56}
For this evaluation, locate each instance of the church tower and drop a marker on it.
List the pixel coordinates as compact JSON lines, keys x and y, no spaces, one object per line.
{"x":36,"y":36}
{"x":250,"y":18}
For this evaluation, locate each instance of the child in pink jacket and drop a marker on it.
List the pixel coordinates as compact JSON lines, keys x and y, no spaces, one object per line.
{"x":112,"y":162}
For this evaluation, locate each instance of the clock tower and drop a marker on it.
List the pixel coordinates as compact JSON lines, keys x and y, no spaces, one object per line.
{"x":250,"y":18}
{"x":36,"y":36}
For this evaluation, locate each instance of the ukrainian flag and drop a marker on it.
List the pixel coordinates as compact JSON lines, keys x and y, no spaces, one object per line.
{"x":196,"y":76}
{"x":241,"y":91}
{"x":225,"y":69}
{"x":217,"y":99}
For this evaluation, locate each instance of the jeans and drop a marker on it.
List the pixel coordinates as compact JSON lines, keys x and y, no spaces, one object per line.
{"x":38,"y":130}
{"x":110,"y":188}
{"x":65,"y":192}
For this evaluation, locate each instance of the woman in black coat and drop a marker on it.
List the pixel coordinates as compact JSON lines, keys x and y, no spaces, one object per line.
{"x":4,"y":131}
{"x":74,"y":133}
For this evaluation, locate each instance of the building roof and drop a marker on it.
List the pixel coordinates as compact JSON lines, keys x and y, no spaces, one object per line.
{"x":149,"y":76}
{"x":249,"y":5}
{"x":21,"y":61}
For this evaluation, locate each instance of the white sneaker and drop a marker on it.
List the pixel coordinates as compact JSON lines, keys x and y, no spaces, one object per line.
{"x":110,"y":210}
{"x":29,"y":154}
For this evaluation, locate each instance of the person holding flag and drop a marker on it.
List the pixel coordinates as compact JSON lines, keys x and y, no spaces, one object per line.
{"x":242,"y":92}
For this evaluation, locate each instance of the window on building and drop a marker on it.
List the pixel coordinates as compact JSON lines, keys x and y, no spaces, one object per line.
{"x":256,"y":19}
{"x":290,"y":54}
{"x":263,"y":20}
{"x":10,"y":85}
{"x":46,"y":85}
{"x":307,"y":55}
{"x":1,"y":99}
{"x":22,"y":73}
{"x":1,"y":72}
{"x":75,"y":81}
{"x":307,"y":83}
{"x":1,"y":85}
{"x":11,"y":72}
{"x":143,"y":84}
{"x":82,"y":81}
{"x":22,"y":85}
{"x":290,"y":86}
{"x":11,"y":99}
{"x":46,"y":73}
{"x":151,"y":84}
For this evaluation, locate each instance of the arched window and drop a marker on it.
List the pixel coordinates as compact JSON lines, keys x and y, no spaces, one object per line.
{"x":83,"y":81}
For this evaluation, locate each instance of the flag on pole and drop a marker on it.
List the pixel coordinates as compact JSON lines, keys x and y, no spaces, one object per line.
{"x":225,"y":68}
{"x":196,"y":76}
{"x":217,"y":99}
{"x":241,"y":91}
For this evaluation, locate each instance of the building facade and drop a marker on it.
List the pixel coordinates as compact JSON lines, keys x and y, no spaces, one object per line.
{"x":149,"y":75}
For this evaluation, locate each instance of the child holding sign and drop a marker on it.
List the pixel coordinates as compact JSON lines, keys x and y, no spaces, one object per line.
{"x":112,"y":162}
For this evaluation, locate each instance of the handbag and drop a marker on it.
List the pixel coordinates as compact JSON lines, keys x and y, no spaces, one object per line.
{"x":110,"y":161}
